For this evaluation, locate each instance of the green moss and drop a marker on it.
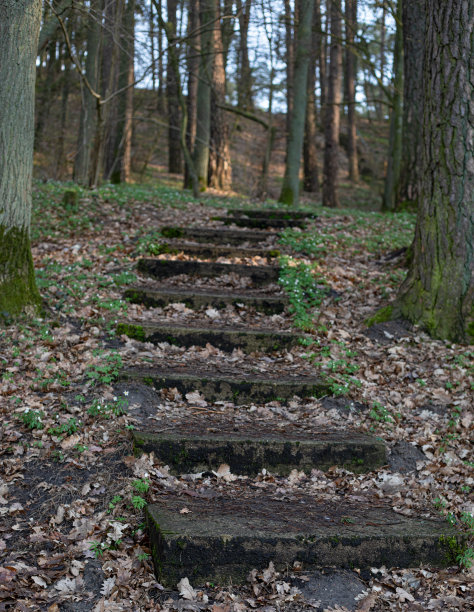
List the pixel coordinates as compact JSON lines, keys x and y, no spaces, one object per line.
{"x":273,"y":253}
{"x":172,"y":232}
{"x":148,"y":380}
{"x":132,"y":331}
{"x":71,"y":200}
{"x":18,"y":291}
{"x":452,"y":549}
{"x":381,"y":316}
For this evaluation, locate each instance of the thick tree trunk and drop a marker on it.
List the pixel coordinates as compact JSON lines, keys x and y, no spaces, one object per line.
{"x":290,"y":62}
{"x":351,"y":30}
{"x":228,"y":25}
{"x":392,"y":179}
{"x":175,"y":164}
{"x":194,"y":44}
{"x":244,"y":83}
{"x":203,"y":127}
{"x":220,"y":169}
{"x":19,"y":30}
{"x":413,"y":47}
{"x":332,"y":115}
{"x":439,"y":290}
{"x":310,"y":154}
{"x":290,"y":188}
{"x":88,"y":118}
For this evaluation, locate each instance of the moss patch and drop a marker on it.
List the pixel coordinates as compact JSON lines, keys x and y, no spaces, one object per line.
{"x":381,"y":316}
{"x":18,"y":291}
{"x":132,"y":331}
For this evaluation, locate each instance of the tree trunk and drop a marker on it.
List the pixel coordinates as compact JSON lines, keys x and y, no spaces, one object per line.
{"x":323,"y":81}
{"x":19,"y":30}
{"x":413,"y":47}
{"x":60,"y":171}
{"x":379,"y":105}
{"x":290,"y":63}
{"x":244,"y":83}
{"x":151,"y":34}
{"x":351,"y":30}
{"x":310,"y":154}
{"x":290,"y":188}
{"x":228,"y":25}
{"x":439,"y":290}
{"x":88,"y":119}
{"x":332,"y":116}
{"x":174,"y":150}
{"x":161,"y":71}
{"x":220,"y":169}
{"x":203,"y":127}
{"x":194,"y":44}
{"x":392,"y":179}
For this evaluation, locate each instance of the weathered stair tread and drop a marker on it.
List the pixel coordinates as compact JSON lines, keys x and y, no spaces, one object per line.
{"x":197,"y":298}
{"x":164,"y":268}
{"x":261,"y":223}
{"x":211,"y":251}
{"x":240,"y":389}
{"x":248,"y":454}
{"x":226,"y":339}
{"x":223,"y":538}
{"x":271,"y":213}
{"x":216,"y":235}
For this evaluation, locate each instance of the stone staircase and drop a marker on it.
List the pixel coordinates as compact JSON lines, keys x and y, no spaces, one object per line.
{"x":221,"y":537}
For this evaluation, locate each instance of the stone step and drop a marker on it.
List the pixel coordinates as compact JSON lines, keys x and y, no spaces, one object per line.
{"x":247,"y":454}
{"x":197,"y":298}
{"x":271,"y":213}
{"x":261,"y":223}
{"x":221,"y":538}
{"x":226,"y":339}
{"x":215,"y":235}
{"x":164,"y":268}
{"x":213,"y":252}
{"x":240,"y":389}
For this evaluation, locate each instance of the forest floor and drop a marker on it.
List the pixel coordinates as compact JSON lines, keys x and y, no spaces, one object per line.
{"x":72,"y":492}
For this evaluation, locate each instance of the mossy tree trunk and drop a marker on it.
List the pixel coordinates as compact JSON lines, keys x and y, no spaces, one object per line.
{"x":19,"y":30}
{"x":392,"y":179}
{"x":413,"y":53}
{"x":290,"y":188}
{"x":439,"y":290}
{"x":333,"y":111}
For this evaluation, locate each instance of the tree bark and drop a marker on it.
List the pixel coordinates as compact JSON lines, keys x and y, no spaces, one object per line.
{"x":244,"y":83}
{"x":310,"y":153}
{"x":439,"y":290}
{"x":88,"y":119}
{"x":203,"y":128}
{"x":351,"y":30}
{"x":323,"y":81}
{"x":60,"y":171}
{"x":220,"y":169}
{"x":174,"y":150}
{"x":290,"y":188}
{"x":392,"y":179}
{"x":290,"y":63}
{"x":413,"y":47}
{"x":194,"y":44}
{"x":19,"y":30}
{"x":379,"y":105}
{"x":332,"y":116}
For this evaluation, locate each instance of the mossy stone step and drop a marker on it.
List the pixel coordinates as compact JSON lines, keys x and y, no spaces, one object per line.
{"x":164,"y":268}
{"x":221,"y":538}
{"x":240,"y":389}
{"x":153,"y":298}
{"x":215,"y":235}
{"x":226,"y":339}
{"x":213,"y":252}
{"x":261,"y":222}
{"x":276,"y":453}
{"x":271,"y":213}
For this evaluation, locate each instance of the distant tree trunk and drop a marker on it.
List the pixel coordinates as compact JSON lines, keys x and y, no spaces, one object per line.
{"x":88,"y":119}
{"x":19,"y":30}
{"x":60,"y":171}
{"x":392,"y":178}
{"x":120,"y":172}
{"x":438,"y":292}
{"x":413,"y":50}
{"x":46,"y":89}
{"x":228,"y":25}
{"x":290,"y":188}
{"x":379,"y":104}
{"x":310,"y":154}
{"x":151,"y":34}
{"x":332,"y":116}
{"x":290,"y":63}
{"x":244,"y":82}
{"x":193,"y":74}
{"x":161,"y":71}
{"x":351,"y":30}
{"x":322,"y":63}
{"x":174,"y":149}
{"x":203,"y":127}
{"x":220,"y":169}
